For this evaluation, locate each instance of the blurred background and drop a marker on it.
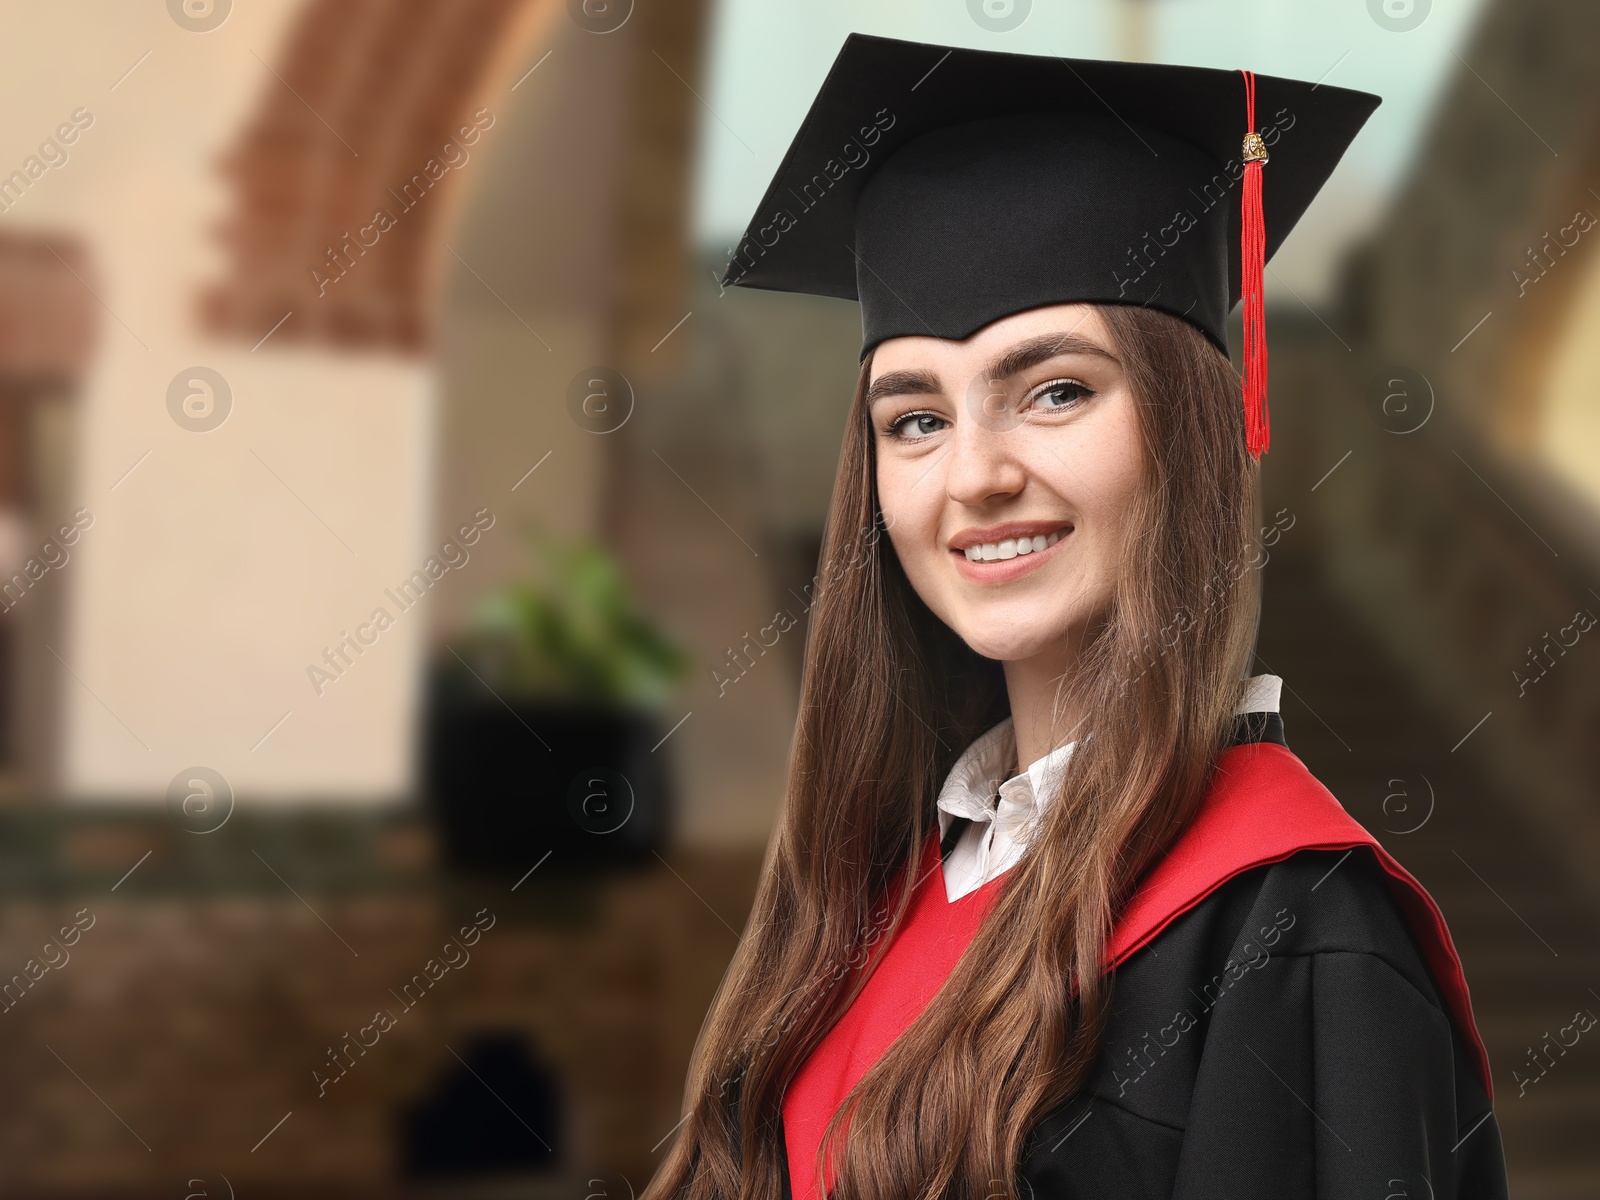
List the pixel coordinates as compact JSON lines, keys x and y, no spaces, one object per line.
{"x":408,"y":546}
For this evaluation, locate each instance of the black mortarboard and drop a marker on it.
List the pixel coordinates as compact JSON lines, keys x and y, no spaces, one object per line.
{"x":946,"y":188}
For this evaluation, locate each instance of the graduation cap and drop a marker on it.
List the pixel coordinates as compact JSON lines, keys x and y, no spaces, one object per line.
{"x":945,"y":188}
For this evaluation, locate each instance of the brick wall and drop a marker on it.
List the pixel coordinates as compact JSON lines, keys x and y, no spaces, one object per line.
{"x":188,"y":1014}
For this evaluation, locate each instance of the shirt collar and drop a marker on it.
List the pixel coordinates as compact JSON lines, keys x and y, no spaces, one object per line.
{"x":977,"y":787}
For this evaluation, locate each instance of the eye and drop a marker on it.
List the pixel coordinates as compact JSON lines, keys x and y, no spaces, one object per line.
{"x":919,"y":420}
{"x":1064,"y":392}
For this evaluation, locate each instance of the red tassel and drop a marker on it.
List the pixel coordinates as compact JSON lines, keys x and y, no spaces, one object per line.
{"x":1252,"y":262}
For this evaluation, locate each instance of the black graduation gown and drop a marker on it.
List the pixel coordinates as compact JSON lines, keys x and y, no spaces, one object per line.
{"x":1322,"y":1065}
{"x":1284,"y":1038}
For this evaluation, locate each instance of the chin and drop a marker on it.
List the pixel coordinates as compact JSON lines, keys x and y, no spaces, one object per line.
{"x":1013,"y":647}
{"x":1017,"y":629}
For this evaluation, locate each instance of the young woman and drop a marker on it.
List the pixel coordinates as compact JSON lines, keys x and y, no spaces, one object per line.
{"x":1051,"y":909}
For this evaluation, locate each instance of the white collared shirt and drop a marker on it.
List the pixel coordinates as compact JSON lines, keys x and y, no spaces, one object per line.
{"x":999,"y":831}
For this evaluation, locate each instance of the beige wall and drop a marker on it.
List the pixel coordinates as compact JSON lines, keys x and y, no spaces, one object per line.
{"x":223,"y":563}
{"x":226,"y":562}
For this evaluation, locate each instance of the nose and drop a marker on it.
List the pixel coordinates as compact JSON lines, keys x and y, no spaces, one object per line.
{"x":983,"y":464}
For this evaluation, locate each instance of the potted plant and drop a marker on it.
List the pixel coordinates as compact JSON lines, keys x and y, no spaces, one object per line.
{"x":543,"y":723}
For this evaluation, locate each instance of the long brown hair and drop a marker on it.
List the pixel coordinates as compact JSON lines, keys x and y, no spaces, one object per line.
{"x":889,"y":698}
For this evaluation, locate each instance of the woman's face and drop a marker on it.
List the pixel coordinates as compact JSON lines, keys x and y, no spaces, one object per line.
{"x":1025,"y":434}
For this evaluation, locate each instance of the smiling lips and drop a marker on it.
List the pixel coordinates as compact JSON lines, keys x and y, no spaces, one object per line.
{"x":992,"y":542}
{"x":980,"y":552}
{"x":1012,"y":547}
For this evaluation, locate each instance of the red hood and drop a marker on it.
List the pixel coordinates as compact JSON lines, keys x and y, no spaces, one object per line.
{"x":1262,"y":807}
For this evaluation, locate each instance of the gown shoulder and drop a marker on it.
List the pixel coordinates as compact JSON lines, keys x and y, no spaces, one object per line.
{"x":1283,"y":1038}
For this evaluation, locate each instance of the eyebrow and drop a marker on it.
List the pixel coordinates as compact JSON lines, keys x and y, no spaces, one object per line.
{"x":1020,"y":357}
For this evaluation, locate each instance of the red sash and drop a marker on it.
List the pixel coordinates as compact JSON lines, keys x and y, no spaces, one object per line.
{"x":1263,"y":806}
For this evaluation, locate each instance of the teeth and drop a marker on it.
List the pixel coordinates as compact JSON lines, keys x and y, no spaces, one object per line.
{"x":1011,"y":547}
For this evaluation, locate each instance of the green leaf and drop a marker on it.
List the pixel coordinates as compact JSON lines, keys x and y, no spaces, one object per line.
{"x":570,"y":628}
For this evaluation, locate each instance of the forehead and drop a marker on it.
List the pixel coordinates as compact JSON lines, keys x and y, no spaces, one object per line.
{"x":990,"y":344}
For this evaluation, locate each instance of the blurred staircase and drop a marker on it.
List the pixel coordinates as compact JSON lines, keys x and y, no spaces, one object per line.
{"x":1525,"y":931}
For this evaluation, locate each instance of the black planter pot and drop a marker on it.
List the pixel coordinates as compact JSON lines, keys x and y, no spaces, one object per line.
{"x":508,"y":781}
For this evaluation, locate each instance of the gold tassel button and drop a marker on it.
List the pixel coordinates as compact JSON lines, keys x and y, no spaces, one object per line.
{"x":1255,"y":150}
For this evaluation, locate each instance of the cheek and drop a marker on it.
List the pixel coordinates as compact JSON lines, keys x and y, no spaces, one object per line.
{"x":1109,"y":472}
{"x":908,"y":499}
{"x":1120,"y":481}
{"x":1117,"y":485}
